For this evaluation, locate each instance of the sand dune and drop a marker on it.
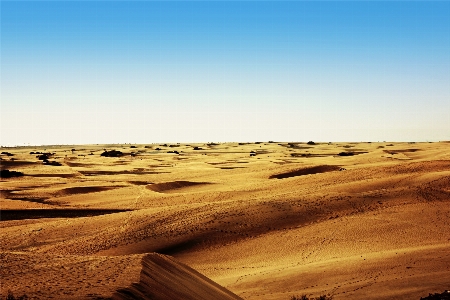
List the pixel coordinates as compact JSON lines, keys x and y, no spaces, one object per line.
{"x":293,"y":219}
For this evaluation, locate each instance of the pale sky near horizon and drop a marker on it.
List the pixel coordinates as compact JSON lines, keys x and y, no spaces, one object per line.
{"x":88,"y":72}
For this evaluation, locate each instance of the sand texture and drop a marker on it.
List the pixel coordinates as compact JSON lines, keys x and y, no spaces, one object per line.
{"x":262,"y":220}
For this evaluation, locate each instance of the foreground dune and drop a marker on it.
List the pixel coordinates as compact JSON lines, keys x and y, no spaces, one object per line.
{"x":262,"y":220}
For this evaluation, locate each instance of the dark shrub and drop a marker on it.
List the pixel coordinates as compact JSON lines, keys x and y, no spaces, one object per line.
{"x":310,"y":143}
{"x":43,"y":157}
{"x":9,"y":174}
{"x":443,"y":296}
{"x":346,"y":154}
{"x":112,"y":153}
{"x":51,"y":163}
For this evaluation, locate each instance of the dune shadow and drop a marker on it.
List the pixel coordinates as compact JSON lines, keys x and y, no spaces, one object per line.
{"x":5,"y":164}
{"x":137,"y":182}
{"x":166,"y":187}
{"x":231,"y":168}
{"x":306,"y":171}
{"x":135,"y":172}
{"x":86,"y":189}
{"x":22,"y":214}
{"x":62,"y":175}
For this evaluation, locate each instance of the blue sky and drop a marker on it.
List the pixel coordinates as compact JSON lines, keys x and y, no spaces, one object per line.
{"x":181,"y":71}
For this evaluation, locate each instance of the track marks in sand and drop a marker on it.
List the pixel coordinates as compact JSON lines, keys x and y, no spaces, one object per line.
{"x":42,"y":276}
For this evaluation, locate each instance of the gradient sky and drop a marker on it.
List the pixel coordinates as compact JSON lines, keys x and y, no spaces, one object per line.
{"x":203,"y":71}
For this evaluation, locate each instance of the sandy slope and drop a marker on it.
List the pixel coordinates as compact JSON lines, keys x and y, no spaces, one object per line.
{"x":294,"y":219}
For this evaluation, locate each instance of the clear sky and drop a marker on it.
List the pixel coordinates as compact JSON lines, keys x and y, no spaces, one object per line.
{"x":210,"y":71}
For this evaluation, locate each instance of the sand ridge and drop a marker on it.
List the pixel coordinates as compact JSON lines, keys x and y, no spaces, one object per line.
{"x":164,"y":278}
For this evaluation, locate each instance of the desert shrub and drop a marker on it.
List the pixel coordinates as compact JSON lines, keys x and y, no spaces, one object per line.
{"x":112,"y":153}
{"x":8,"y":174}
{"x":346,"y":154}
{"x":44,"y":156}
{"x":197,"y":148}
{"x":51,"y":163}
{"x":310,"y":143}
{"x":443,"y":296}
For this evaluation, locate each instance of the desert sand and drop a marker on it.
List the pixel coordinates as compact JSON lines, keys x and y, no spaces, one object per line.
{"x":264,"y":220}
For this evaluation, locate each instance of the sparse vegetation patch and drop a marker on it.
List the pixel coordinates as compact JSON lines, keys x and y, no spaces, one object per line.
{"x":112,"y":153}
{"x":9,"y":174}
{"x":442,"y":296}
